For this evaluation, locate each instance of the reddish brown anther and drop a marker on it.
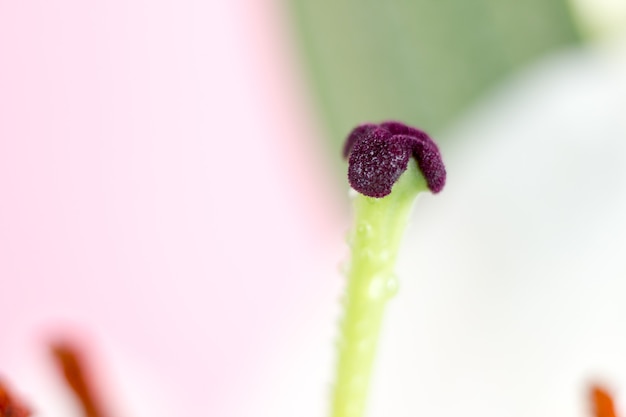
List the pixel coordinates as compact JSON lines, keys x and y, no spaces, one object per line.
{"x":602,"y":403}
{"x":11,"y":406}
{"x":74,"y":370}
{"x":378,"y":154}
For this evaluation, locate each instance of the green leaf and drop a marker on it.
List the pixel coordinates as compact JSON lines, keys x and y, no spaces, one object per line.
{"x":419,"y":61}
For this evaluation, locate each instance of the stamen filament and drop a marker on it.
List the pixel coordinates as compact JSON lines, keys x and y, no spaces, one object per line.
{"x":375,"y":240}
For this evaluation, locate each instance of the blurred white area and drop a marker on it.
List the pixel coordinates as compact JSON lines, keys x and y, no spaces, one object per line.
{"x":512,"y":281}
{"x":514,"y":278}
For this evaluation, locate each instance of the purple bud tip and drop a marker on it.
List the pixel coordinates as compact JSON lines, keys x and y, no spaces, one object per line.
{"x":379,"y":154}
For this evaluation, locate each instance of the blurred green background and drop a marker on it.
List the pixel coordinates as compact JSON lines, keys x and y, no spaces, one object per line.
{"x":420,"y":61}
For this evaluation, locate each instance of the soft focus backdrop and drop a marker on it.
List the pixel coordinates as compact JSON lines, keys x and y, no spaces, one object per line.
{"x":171,"y":193}
{"x":161,"y":189}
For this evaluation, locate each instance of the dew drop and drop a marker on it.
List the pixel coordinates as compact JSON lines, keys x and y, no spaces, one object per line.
{"x":378,"y":287}
{"x":366,"y":255}
{"x":364,"y":229}
{"x":391,"y":286}
{"x":383,"y":286}
{"x":384,"y":255}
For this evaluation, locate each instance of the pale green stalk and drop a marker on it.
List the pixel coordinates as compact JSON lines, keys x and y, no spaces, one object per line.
{"x":375,"y":239}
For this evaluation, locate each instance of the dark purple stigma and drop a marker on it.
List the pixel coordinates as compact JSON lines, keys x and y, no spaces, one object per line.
{"x":379,"y":154}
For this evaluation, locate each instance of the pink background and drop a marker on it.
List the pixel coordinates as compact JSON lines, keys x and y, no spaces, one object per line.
{"x":162,"y":186}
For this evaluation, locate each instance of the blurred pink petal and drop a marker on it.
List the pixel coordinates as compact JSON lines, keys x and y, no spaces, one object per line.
{"x":160,"y":187}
